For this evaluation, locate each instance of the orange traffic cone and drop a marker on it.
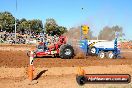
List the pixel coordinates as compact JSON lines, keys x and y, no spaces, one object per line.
{"x":30,"y":72}
{"x":81,"y":71}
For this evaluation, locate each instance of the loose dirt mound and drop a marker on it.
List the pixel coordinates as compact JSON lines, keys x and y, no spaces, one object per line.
{"x":13,"y":59}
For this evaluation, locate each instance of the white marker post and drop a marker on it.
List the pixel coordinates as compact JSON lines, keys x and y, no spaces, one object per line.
{"x":31,"y":66}
{"x":31,"y":69}
{"x":31,"y":58}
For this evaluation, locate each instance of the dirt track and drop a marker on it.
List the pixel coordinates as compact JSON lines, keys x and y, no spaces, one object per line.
{"x":20,"y":59}
{"x":60,"y":72}
{"x":59,"y":77}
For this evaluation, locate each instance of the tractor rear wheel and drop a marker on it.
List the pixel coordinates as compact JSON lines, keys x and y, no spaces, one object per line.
{"x":66,"y":51}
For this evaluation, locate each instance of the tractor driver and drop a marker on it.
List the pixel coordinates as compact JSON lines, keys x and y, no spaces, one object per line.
{"x":45,"y":47}
{"x":49,"y":44}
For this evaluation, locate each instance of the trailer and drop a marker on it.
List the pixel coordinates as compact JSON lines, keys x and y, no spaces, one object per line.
{"x":100,"y":48}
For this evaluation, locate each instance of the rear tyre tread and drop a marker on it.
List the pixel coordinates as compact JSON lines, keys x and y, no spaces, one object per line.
{"x":62,"y":51}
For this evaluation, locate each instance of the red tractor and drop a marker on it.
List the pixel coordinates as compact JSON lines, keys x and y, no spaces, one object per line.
{"x":59,"y":48}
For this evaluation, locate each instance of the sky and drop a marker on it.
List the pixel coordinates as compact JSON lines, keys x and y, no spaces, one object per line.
{"x":69,"y":13}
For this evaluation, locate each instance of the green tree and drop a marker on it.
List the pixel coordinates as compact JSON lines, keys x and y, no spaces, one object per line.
{"x":7,"y":21}
{"x":36,"y":25}
{"x":1,"y":21}
{"x":29,"y":26}
{"x":61,"y":30}
{"x":22,"y":25}
{"x":50,"y":25}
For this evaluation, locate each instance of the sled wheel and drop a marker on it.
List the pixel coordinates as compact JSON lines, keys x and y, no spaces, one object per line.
{"x":92,"y":50}
{"x":110,"y":55}
{"x":101,"y":54}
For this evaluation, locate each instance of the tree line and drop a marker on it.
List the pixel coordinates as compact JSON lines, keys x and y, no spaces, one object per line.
{"x":7,"y":23}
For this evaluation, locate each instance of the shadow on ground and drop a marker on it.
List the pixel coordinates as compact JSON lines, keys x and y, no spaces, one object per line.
{"x":40,"y":74}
